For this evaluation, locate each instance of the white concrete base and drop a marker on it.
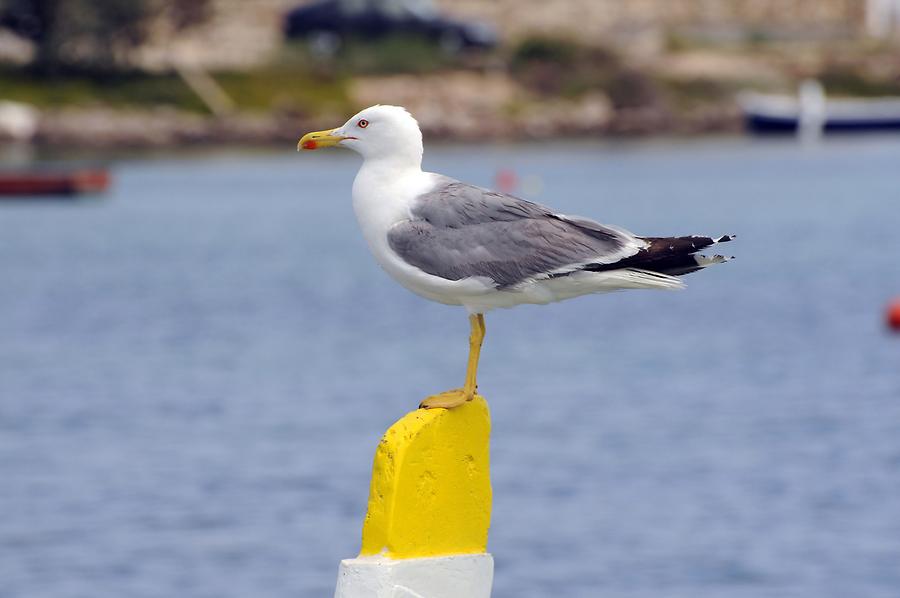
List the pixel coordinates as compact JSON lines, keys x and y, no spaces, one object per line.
{"x":460,"y":576}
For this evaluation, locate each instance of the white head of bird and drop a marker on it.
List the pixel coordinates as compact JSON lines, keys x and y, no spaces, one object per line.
{"x":377,"y":133}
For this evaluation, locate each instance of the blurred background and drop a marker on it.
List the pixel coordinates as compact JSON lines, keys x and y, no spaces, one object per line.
{"x":198,"y":355}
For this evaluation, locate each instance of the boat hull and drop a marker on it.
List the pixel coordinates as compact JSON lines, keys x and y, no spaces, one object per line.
{"x":25,"y":184}
{"x":771,"y":124}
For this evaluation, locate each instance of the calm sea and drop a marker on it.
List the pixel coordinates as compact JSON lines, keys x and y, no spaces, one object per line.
{"x":195,"y":371}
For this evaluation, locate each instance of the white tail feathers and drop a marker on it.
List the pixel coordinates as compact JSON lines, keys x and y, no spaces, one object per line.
{"x":634,"y":278}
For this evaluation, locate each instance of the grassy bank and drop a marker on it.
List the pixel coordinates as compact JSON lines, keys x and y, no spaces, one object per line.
{"x":257,"y":91}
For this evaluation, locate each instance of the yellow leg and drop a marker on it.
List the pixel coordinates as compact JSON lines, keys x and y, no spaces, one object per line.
{"x":458,"y":396}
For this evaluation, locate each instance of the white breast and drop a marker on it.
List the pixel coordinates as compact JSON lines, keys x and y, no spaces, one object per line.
{"x":382,"y":198}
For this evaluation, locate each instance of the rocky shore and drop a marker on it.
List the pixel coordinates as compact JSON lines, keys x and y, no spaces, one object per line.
{"x":460,"y":106}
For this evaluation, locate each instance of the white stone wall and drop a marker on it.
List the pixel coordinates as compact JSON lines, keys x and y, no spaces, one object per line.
{"x":592,"y":18}
{"x":883,"y":18}
{"x":246,"y":33}
{"x":239,"y":34}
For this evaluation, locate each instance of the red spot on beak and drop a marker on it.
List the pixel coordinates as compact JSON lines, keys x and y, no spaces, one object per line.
{"x":310,"y":144}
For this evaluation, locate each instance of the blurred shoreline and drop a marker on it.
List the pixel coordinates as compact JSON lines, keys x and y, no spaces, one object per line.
{"x":543,"y":88}
{"x":105,"y":128}
{"x":578,"y":71}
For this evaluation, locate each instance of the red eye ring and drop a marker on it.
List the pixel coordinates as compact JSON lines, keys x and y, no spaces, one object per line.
{"x":363,"y":123}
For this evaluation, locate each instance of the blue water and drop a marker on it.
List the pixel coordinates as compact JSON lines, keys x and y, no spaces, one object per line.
{"x":195,"y":370}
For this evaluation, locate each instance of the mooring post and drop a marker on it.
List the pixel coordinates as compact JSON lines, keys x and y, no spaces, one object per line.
{"x":426,"y":528}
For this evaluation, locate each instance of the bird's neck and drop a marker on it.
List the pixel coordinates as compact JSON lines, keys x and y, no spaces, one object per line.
{"x":398,"y":161}
{"x":382,"y":170}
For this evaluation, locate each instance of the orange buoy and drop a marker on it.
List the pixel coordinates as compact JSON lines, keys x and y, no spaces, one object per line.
{"x":893,"y":315}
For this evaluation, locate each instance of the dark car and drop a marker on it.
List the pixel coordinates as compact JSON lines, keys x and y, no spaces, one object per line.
{"x":326,"y":24}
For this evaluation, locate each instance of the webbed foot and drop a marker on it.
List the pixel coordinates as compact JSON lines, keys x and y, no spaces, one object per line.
{"x":447,"y":399}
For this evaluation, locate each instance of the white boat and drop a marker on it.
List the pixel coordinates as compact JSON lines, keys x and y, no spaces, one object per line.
{"x":810,"y":109}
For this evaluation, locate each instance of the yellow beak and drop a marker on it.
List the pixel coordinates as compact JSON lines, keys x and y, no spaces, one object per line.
{"x":318,"y":139}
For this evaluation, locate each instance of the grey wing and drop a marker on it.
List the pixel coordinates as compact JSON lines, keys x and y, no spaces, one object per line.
{"x":460,"y":231}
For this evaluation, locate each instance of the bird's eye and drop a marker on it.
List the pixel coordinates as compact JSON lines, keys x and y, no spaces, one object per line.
{"x":363,"y":123}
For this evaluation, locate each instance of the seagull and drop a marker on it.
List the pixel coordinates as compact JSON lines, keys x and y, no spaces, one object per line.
{"x":459,"y":244}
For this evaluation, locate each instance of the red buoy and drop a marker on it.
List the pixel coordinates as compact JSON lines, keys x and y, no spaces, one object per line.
{"x":506,"y":180}
{"x":893,"y":315}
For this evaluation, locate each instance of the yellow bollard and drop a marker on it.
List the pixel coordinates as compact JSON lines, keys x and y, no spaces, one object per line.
{"x":429,"y":511}
{"x":431,"y":485}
